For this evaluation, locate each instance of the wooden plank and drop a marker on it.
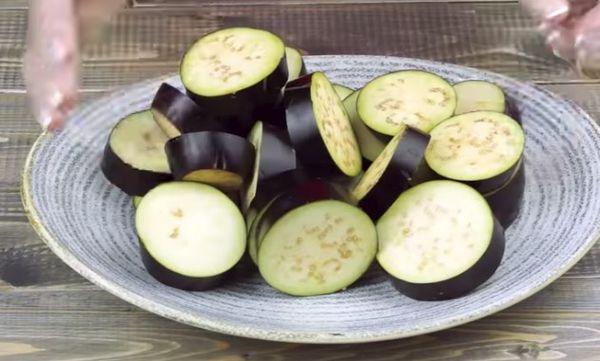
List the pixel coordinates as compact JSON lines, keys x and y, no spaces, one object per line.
{"x":170,"y":3}
{"x":147,"y":42}
{"x":81,"y":321}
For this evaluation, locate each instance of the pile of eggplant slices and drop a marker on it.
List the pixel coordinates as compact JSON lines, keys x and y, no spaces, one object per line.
{"x":259,"y":165}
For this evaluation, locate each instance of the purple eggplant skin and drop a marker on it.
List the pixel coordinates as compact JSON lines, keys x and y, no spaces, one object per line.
{"x":303,"y":130}
{"x":133,"y":181}
{"x":463,"y":283}
{"x":176,"y":280}
{"x":483,"y":186}
{"x":506,"y":202}
{"x":182,"y":112}
{"x":210,"y":150}
{"x":240,"y":110}
{"x":399,"y":175}
{"x":271,"y":187}
{"x":302,"y":194}
{"x":276,"y":153}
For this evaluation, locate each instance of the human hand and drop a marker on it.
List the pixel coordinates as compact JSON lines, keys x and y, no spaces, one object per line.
{"x":572,"y":30}
{"x":51,"y":63}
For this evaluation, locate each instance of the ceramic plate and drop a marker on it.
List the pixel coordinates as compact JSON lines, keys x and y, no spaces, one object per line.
{"x":89,"y":223}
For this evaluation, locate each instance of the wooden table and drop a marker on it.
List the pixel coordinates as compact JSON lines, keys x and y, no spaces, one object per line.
{"x":49,"y":312}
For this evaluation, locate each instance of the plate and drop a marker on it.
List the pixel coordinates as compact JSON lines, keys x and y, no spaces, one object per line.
{"x":89,"y":224}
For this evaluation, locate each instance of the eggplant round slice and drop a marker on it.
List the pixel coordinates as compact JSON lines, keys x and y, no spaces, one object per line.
{"x":190,"y":234}
{"x":482,"y":148}
{"x":319,"y":127}
{"x":274,"y":155}
{"x":134,"y":158}
{"x":342,"y":91}
{"x":236,"y":74}
{"x":295,"y":63}
{"x":412,"y":97}
{"x":371,"y":143}
{"x":176,"y":113}
{"x":392,"y":172}
{"x":479,"y":95}
{"x":506,"y":201}
{"x":136,"y":201}
{"x":220,"y":159}
{"x":317,"y":248}
{"x":439,"y":240}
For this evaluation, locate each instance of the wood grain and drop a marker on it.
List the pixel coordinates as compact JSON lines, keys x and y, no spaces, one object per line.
{"x":148,"y":41}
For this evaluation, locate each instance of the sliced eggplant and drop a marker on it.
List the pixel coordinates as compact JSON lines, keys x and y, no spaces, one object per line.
{"x":311,"y":243}
{"x":220,"y":159}
{"x":176,"y":113}
{"x":412,"y":97}
{"x":295,"y":63}
{"x":134,"y":158}
{"x":392,"y":172}
{"x":480,"y":148}
{"x":439,"y":240}
{"x":191,"y":235}
{"x":319,"y":127}
{"x":274,"y":155}
{"x":507,"y":200}
{"x":342,"y":91}
{"x":237,"y":74}
{"x":371,"y":143}
{"x":136,"y":201}
{"x":479,"y":95}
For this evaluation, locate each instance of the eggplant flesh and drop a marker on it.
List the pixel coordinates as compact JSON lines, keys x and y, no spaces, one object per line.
{"x":464,"y":283}
{"x":406,"y":160}
{"x":329,"y":148}
{"x":173,"y":279}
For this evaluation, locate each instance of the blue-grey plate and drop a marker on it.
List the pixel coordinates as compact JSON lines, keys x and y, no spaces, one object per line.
{"x":88,"y":223}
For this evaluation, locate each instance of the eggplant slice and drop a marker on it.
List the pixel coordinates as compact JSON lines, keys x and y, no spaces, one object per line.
{"x":371,"y":143}
{"x":392,"y":172}
{"x":295,"y":63}
{"x":412,"y":97}
{"x":319,"y":127}
{"x":342,"y":91}
{"x":134,"y":158}
{"x":507,"y":200}
{"x":274,"y":155}
{"x":220,"y":159}
{"x":439,"y":240}
{"x":177,"y":114}
{"x":237,"y":74}
{"x":480,"y":148}
{"x":311,"y":243}
{"x":190,"y":235}
{"x":479,"y":95}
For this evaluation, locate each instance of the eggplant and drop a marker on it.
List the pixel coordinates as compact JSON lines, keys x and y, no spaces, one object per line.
{"x":177,"y":114}
{"x":507,"y":200}
{"x":392,"y":172}
{"x":482,"y":149}
{"x":439,"y":240}
{"x":134,"y":159}
{"x":178,"y":243}
{"x":300,"y":250}
{"x":219,"y":159}
{"x":319,"y":128}
{"x":411,"y":97}
{"x":237,"y":74}
{"x":295,"y":63}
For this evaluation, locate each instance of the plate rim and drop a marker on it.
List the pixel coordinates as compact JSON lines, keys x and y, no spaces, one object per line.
{"x":293,"y":336}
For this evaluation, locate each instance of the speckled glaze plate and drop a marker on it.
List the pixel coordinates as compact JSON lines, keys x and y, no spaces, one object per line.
{"x":89,"y":224}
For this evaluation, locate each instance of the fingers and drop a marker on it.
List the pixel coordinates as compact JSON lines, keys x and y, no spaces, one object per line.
{"x":547,"y":11}
{"x":587,"y":43}
{"x":51,"y":61}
